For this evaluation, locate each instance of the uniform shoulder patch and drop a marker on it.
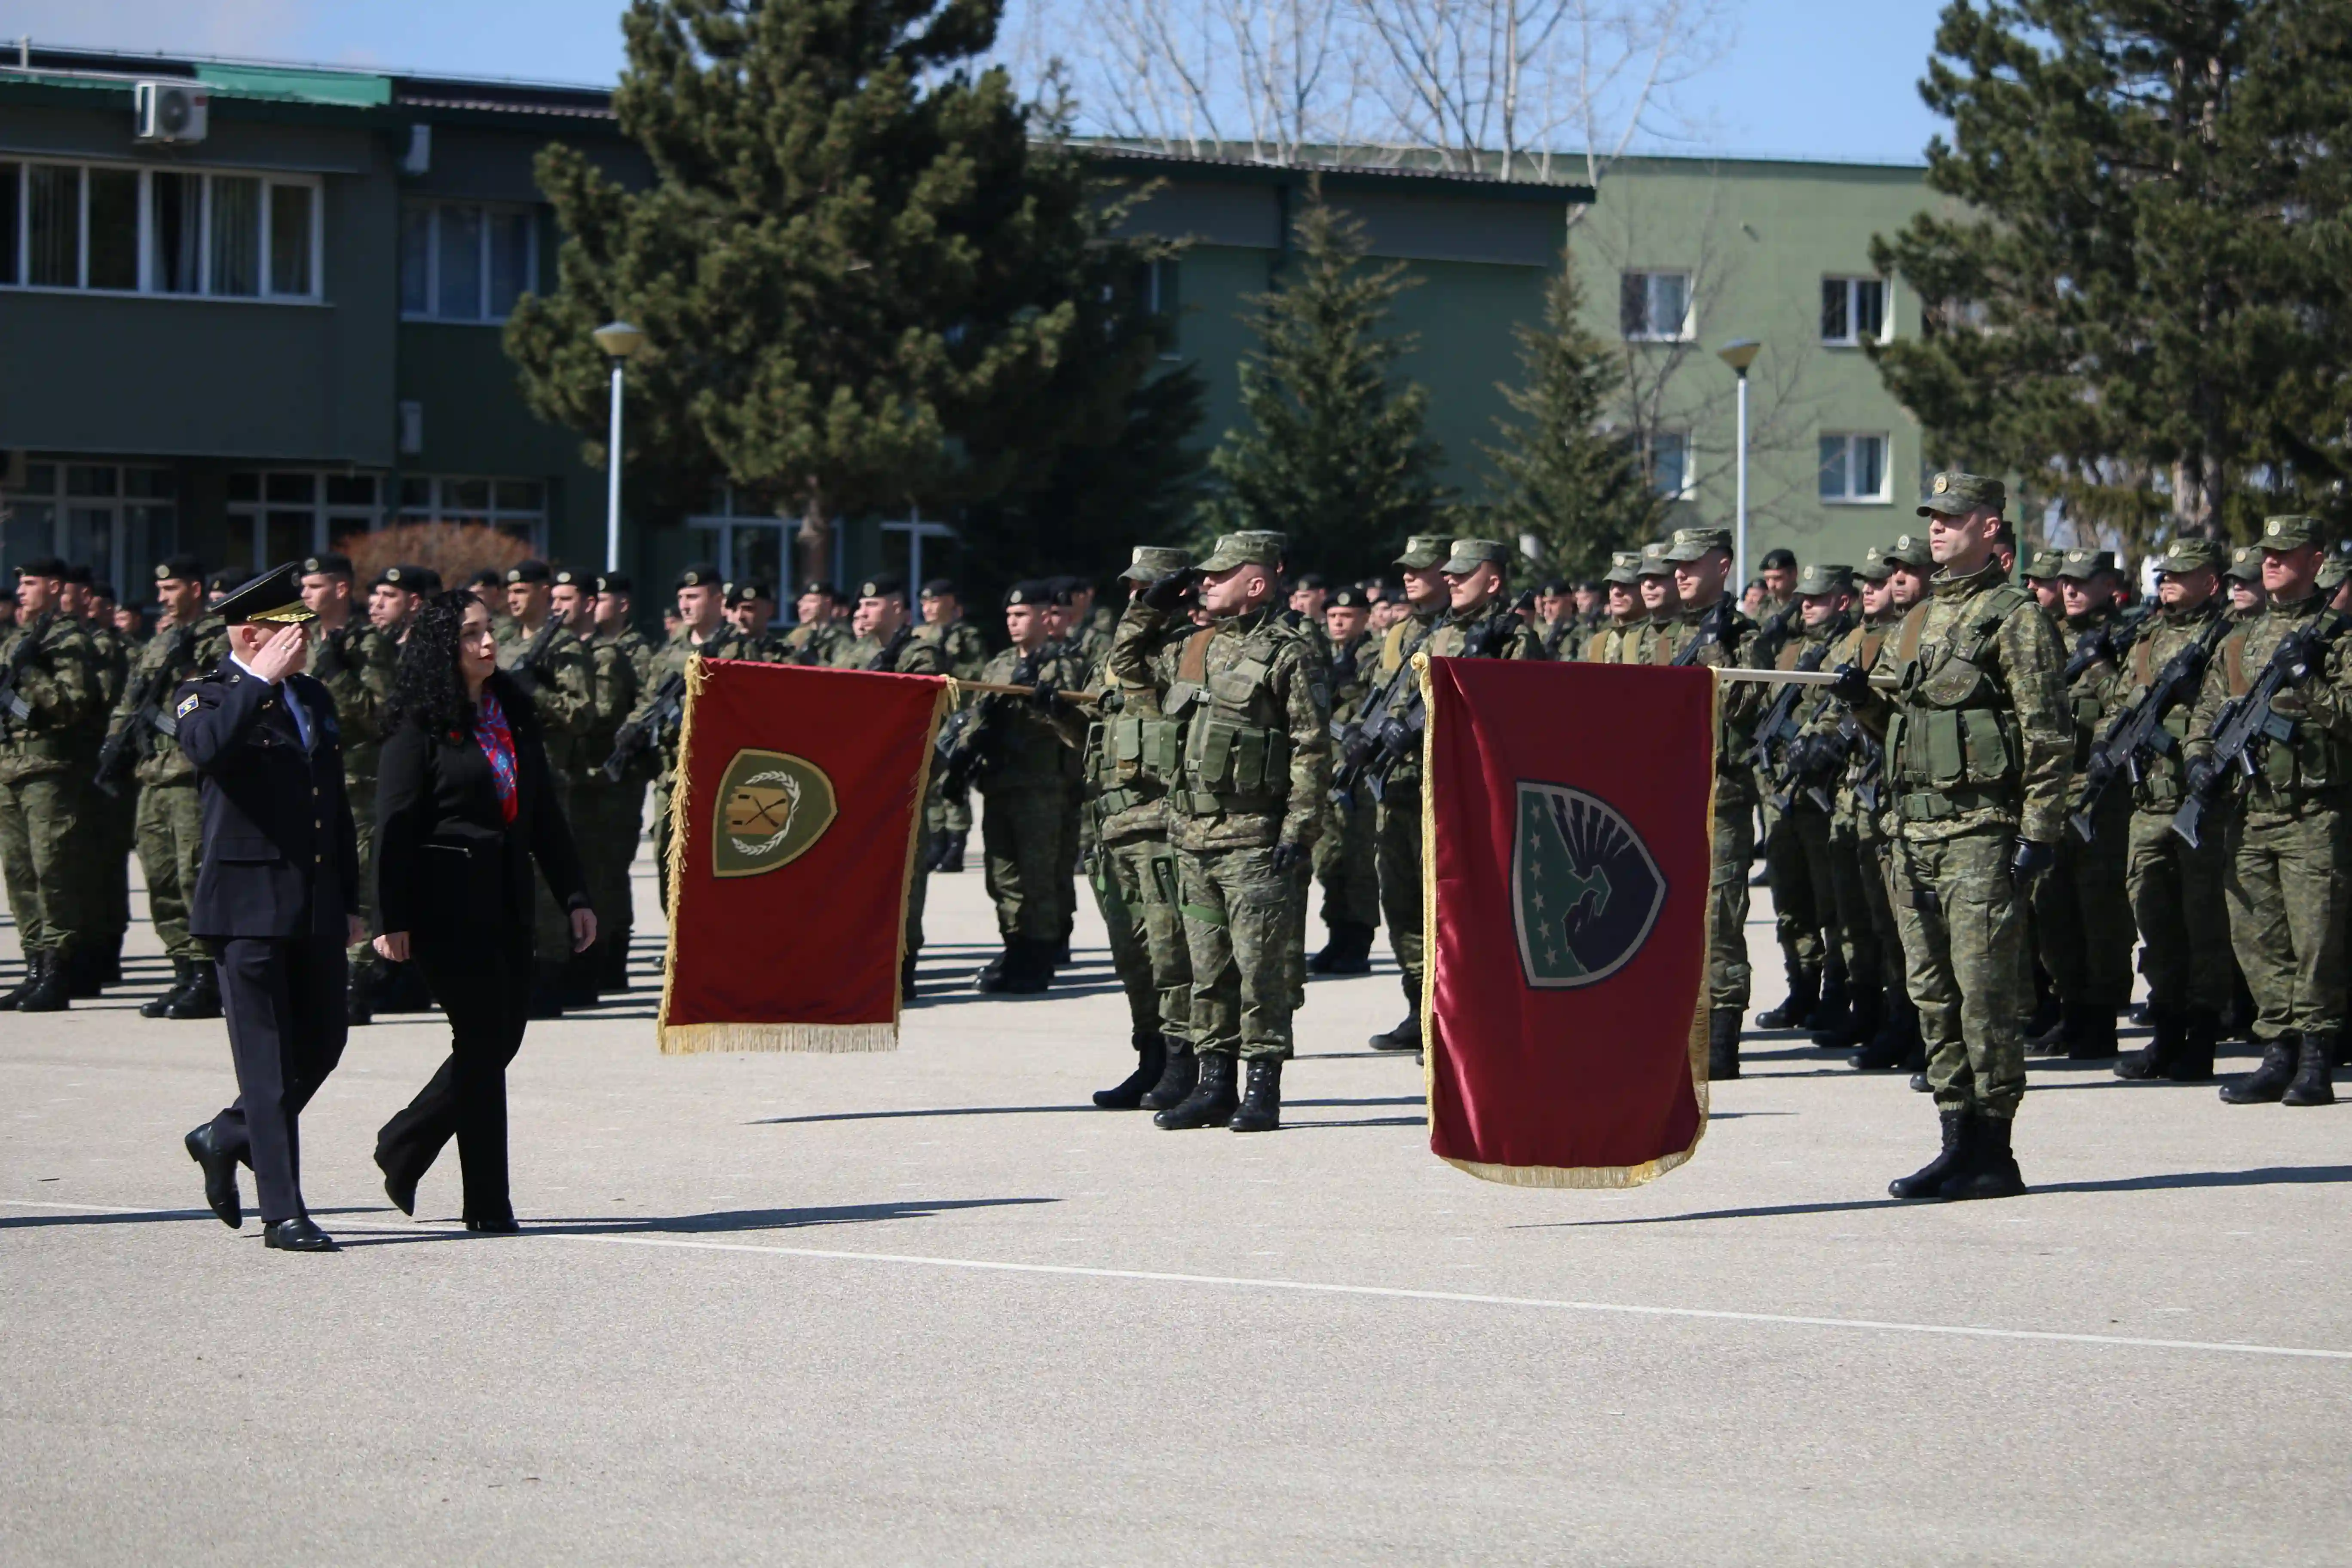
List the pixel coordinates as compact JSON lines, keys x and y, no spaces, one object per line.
{"x":187,"y":706}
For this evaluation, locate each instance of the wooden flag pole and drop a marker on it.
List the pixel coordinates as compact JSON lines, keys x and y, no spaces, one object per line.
{"x":1800,"y":677}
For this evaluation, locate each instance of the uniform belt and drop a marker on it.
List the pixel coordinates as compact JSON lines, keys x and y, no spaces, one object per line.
{"x":1208,"y":803}
{"x":1936,"y":805}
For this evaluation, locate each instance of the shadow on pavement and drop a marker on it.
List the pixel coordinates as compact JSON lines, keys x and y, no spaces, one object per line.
{"x":725,"y":1221}
{"x":145,"y":1216}
{"x":1029,"y":1111}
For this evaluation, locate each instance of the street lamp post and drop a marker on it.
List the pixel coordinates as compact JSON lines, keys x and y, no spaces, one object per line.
{"x":619,"y":340}
{"x":1739,"y":354}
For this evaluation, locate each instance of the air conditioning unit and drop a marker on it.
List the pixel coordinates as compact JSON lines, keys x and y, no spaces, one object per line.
{"x":171,"y":110}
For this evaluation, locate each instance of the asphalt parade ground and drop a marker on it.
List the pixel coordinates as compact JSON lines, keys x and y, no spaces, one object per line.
{"x":932,"y":1306}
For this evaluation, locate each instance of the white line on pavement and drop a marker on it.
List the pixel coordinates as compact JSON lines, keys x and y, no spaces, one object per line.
{"x":1311,"y":1286}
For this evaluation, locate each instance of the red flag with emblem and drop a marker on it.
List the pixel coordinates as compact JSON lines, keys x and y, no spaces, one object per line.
{"x":794,"y":819}
{"x":1566,"y":862}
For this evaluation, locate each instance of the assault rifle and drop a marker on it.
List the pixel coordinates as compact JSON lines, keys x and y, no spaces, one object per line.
{"x":962,"y":749}
{"x":1873,"y":751}
{"x":131,"y":743}
{"x":2109,"y":640}
{"x":1710,"y":633}
{"x":2247,"y":722}
{"x":1773,"y":635}
{"x":13,"y":708}
{"x":635,"y":738}
{"x":1388,"y":728}
{"x":2137,"y":732}
{"x":1779,"y":729}
{"x":530,"y":663}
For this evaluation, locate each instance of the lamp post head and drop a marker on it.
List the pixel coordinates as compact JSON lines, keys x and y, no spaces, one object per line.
{"x":1739,"y":354}
{"x":619,"y":339}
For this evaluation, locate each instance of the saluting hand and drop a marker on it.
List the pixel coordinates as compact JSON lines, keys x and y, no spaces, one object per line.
{"x":282,"y":655}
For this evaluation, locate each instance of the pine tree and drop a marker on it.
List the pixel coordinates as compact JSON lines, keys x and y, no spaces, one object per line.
{"x":1558,"y":475}
{"x":2146,"y":279}
{"x":869,"y":273}
{"x":1334,"y":456}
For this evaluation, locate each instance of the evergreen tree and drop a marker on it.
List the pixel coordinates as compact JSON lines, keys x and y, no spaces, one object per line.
{"x":867,"y":272}
{"x":1335,"y":455}
{"x":1558,"y":475}
{"x":2145,"y":283}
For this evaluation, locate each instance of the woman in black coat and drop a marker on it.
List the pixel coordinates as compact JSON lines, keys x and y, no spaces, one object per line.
{"x":463,"y":806}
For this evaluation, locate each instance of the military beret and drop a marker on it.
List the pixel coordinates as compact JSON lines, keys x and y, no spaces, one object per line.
{"x":1150,"y":562}
{"x":1311,"y":581}
{"x":613,"y":582}
{"x":1066,"y":589}
{"x":2082,"y":565}
{"x":2188,"y":554}
{"x":941,"y":588}
{"x":221,"y":581}
{"x":1653,"y":560}
{"x":2291,"y":532}
{"x":743,"y":593}
{"x":701,"y":574}
{"x":179,"y":568}
{"x":1347,"y":597}
{"x":327,"y":563}
{"x":1251,"y":547}
{"x":1469,"y":554}
{"x":530,"y":572}
{"x":1553,"y":587}
{"x":274,"y":598}
{"x":1951,"y":493}
{"x":565,"y":577}
{"x":817,"y":585}
{"x":410,"y":579}
{"x":1779,"y":560}
{"x":1624,"y":567}
{"x":489,"y":577}
{"x":1422,"y":552}
{"x":1825,"y":578}
{"x":882,"y":588}
{"x":1910,"y":549}
{"x":78,"y":574}
{"x":2245,"y":563}
{"x":1691,"y":544}
{"x":1029,"y":591}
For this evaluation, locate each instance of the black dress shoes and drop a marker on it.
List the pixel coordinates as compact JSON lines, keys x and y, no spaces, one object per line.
{"x":503,"y":1224}
{"x":297,"y":1234}
{"x":220,"y":1175}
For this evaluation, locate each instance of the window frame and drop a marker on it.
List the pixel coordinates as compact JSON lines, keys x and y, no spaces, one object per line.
{"x":438,"y":508}
{"x":1687,"y":331}
{"x":1854,"y":338}
{"x":146,"y":287}
{"x":1884,"y":495}
{"x":327,"y":518}
{"x":1688,"y":488}
{"x":432,"y":206}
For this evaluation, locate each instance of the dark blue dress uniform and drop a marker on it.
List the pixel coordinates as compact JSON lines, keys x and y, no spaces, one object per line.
{"x":279,"y":877}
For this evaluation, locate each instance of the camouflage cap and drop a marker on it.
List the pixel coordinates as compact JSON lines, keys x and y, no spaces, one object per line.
{"x":1910,"y":549}
{"x":2189,"y":554}
{"x":2082,"y":565}
{"x":1653,"y":560}
{"x":2245,"y":563}
{"x":1254,"y":547}
{"x":1468,"y":555}
{"x":1952,"y":494}
{"x":1152,"y":562}
{"x":2043,"y":566}
{"x":1825,"y":578}
{"x":1624,"y":568}
{"x":1876,"y":566}
{"x":2289,"y":533}
{"x":1691,"y":544}
{"x":1422,"y":551}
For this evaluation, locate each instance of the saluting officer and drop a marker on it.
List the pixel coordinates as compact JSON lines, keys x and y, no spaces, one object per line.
{"x":278,"y":896}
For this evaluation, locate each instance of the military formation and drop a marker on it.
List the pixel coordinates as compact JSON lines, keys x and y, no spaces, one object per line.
{"x":1972,"y":792}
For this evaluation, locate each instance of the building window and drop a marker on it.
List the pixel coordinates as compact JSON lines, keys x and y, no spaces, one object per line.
{"x":1853,"y":310}
{"x":518,"y":506}
{"x":1670,"y":464}
{"x":751,"y":547}
{"x":112,"y":229}
{"x":277,"y":515}
{"x":1655,"y":307}
{"x":1156,"y":291}
{"x":115,"y":518}
{"x":464,"y":261}
{"x":1853,"y":468}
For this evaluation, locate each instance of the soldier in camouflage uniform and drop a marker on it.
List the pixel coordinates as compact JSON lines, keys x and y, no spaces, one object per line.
{"x":169,"y":823}
{"x":604,"y":815}
{"x":965,"y":651}
{"x":1619,"y":637}
{"x":103,"y":866}
{"x":1796,"y":848}
{"x":1346,"y":855}
{"x":1243,"y":816}
{"x":2176,"y":888}
{"x":1133,"y":755}
{"x":356,"y":663}
{"x":1396,"y":820}
{"x":2244,"y":581}
{"x":1662,"y":612}
{"x":702,"y":630}
{"x":2081,"y":914}
{"x":2286,"y":839}
{"x":890,"y":643}
{"x":1032,"y":750}
{"x":550,"y":663}
{"x":1860,"y":823}
{"x":1977,"y":744}
{"x":45,"y":761}
{"x":620,"y":806}
{"x":819,"y":638}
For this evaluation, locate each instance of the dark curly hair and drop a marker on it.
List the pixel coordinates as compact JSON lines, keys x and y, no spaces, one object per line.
{"x":429,"y":688}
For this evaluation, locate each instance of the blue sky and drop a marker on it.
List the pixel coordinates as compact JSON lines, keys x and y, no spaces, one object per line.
{"x":1820,"y":78}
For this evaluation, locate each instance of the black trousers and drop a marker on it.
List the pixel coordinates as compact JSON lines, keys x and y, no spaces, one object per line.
{"x":486,"y":993}
{"x":284,"y":1004}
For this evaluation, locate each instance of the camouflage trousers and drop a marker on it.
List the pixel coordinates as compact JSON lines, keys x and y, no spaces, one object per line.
{"x":1876,"y":867}
{"x":2083,"y":914}
{"x":943,"y":813}
{"x":171,"y":838}
{"x":606,"y":820}
{"x":1028,"y":830}
{"x":1397,"y":856}
{"x":918,"y":888}
{"x":1726,"y":905}
{"x":361,"y":959}
{"x":2182,"y":914}
{"x":1797,"y":914}
{"x":2286,"y":894}
{"x":40,"y":826}
{"x":1077,"y":848}
{"x":1963,"y":928}
{"x":1834,"y":872}
{"x":1135,"y":887}
{"x":1346,"y":863}
{"x":1237,"y":913}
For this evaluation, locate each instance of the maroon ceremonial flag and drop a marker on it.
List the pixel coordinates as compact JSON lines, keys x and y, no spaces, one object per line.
{"x":1566,"y":826}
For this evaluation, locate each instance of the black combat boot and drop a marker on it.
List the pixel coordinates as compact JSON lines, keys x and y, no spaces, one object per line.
{"x":1212,"y":1102}
{"x":1914,"y":1042}
{"x":1723,"y":1044}
{"x":1898,"y":1027}
{"x":1024,"y":968}
{"x":1829,"y":1011}
{"x":2315,"y":1075}
{"x":950,"y":856}
{"x":1349,"y":951}
{"x":2155,"y":1059}
{"x":2200,"y":1029}
{"x":2267,"y":1083}
{"x":1176,"y":1079}
{"x":1150,"y":1062}
{"x":50,"y":993}
{"x":14,"y":996}
{"x":182,"y":976}
{"x":1990,"y":1171}
{"x":2090,"y":1034}
{"x":1865,"y":1010}
{"x":907,"y":976}
{"x":1927,"y":1181}
{"x":2045,"y":1015}
{"x":202,"y":999}
{"x":1405,"y":1036}
{"x":1804,"y":995}
{"x":1261,"y":1110}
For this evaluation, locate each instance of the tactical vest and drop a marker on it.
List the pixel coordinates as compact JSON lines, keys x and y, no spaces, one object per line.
{"x":1230,"y":763}
{"x":2299,"y":758}
{"x":2160,"y":774}
{"x":1953,"y":744}
{"x":1132,"y":759}
{"x":2085,"y":707}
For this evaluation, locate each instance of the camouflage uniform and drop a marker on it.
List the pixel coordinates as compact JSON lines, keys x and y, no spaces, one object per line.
{"x":965,"y":652}
{"x":46,"y":760}
{"x":908,"y":653}
{"x":1346,"y":860}
{"x":109,"y":820}
{"x":723,"y":642}
{"x":1030,"y":786}
{"x":1883,"y":1028}
{"x":1833,"y":873}
{"x":608,"y":816}
{"x":826,"y":644}
{"x":169,"y":821}
{"x":357,"y":666}
{"x":1977,"y":749}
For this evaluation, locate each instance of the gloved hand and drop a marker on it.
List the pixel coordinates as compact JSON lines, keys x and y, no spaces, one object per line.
{"x":1044,"y":693}
{"x":1852,"y":684}
{"x":2030,"y":859}
{"x":2201,"y":776}
{"x":522,"y":677}
{"x":1288,"y":858}
{"x":1169,"y":592}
